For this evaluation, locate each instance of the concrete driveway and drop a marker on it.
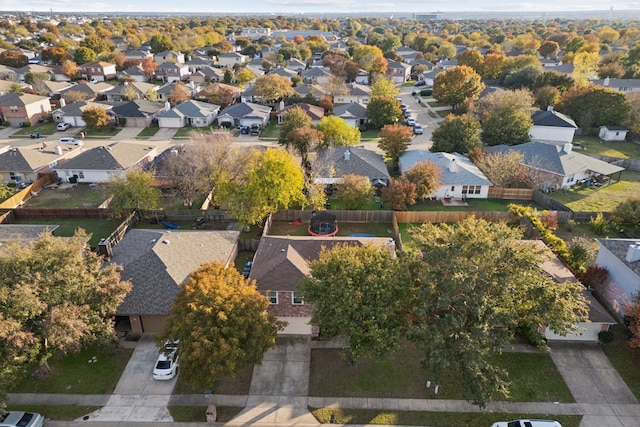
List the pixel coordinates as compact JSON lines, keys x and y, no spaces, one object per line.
{"x":421,"y":114}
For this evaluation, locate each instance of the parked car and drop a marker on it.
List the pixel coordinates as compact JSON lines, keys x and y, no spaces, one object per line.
{"x":244,"y":130}
{"x":63,"y":126}
{"x":417,"y":129}
{"x":527,"y":423}
{"x":247,"y":269}
{"x":411,"y":121}
{"x":403,"y":107}
{"x":255,"y":129}
{"x":70,"y":140}
{"x":407,"y":114}
{"x":167,"y":363}
{"x":420,"y":83}
{"x":21,"y":419}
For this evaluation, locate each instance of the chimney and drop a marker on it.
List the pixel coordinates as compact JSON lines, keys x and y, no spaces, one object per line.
{"x":606,"y":81}
{"x":633,"y":253}
{"x":58,"y":150}
{"x":549,"y":107}
{"x":453,"y":166}
{"x":63,"y":103}
{"x":347,"y":155}
{"x":567,"y":147}
{"x":167,"y":106}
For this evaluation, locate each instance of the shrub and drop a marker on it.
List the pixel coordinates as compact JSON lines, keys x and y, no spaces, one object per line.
{"x":571,"y":224}
{"x":581,"y":252}
{"x":5,"y":123}
{"x":594,"y":276}
{"x":26,"y":124}
{"x":426,"y":92}
{"x":600,"y":224}
{"x":628,"y":212}
{"x":605,"y":337}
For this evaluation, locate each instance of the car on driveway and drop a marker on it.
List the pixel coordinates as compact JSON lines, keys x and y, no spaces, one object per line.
{"x":417,"y":129}
{"x":527,"y":423}
{"x":21,"y":419}
{"x":70,"y":140}
{"x":63,"y":126}
{"x":420,"y":83}
{"x":244,"y":130}
{"x":167,"y":363}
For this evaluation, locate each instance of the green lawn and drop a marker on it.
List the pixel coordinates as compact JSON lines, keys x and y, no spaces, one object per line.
{"x":101,"y":132}
{"x":475,"y":205}
{"x":195,"y":414}
{"x":370,"y":134}
{"x":98,"y":228}
{"x":581,"y":198}
{"x":79,"y":196}
{"x":272,"y":131}
{"x":625,"y":360}
{"x":401,"y":376}
{"x":440,"y":419}
{"x":621,"y":149}
{"x":74,"y":374}
{"x":372,"y":205}
{"x":45,"y":129}
{"x":148,"y":132}
{"x":58,"y":413}
{"x":237,"y":385}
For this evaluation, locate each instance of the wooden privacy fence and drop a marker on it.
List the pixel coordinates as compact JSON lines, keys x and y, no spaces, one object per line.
{"x":341,"y":216}
{"x":88,"y":213}
{"x":451,"y":217}
{"x":510,"y":193}
{"x":24,"y":195}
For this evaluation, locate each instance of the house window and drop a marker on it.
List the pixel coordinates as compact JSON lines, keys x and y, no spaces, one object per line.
{"x":571,"y":178}
{"x":465,"y":188}
{"x":14,"y":176}
{"x":453,"y":188}
{"x":296,"y":298}
{"x":13,"y":108}
{"x":79,"y":173}
{"x":273,"y":297}
{"x":478,"y":189}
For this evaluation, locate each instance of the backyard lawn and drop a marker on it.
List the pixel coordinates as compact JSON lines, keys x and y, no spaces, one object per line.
{"x":98,"y":228}
{"x":68,"y":197}
{"x":401,"y":376}
{"x":283,"y":228}
{"x":475,"y":205}
{"x":77,"y":374}
{"x":581,"y":198}
{"x":594,"y":145}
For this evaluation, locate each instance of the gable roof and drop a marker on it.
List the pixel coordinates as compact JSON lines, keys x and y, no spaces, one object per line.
{"x":313,"y":111}
{"x":352,"y":110}
{"x":156,"y":269}
{"x":117,"y":156}
{"x":332,"y":163}
{"x":75,"y":109}
{"x":280,"y":262}
{"x":357,"y":89}
{"x":619,"y":248}
{"x":138,"y":108}
{"x":552,"y":118}
{"x":247,"y":109}
{"x":29,"y":159}
{"x":192,"y":108}
{"x":466,"y":173}
{"x":22,"y":99}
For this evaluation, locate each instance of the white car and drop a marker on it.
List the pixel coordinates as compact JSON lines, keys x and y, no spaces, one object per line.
{"x":21,"y":419}
{"x":417,"y":129}
{"x":63,"y":126}
{"x":411,"y":121}
{"x":527,"y":423}
{"x":70,"y":140}
{"x":167,"y":363}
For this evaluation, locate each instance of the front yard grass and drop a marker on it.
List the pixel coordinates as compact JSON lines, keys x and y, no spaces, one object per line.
{"x":58,"y":413}
{"x":148,"y":132}
{"x":620,"y":149}
{"x":625,"y":360}
{"x":238,"y":385}
{"x":45,"y":129}
{"x":197,"y":414}
{"x":101,"y":132}
{"x":440,"y":419}
{"x":401,"y":376}
{"x":270,"y":132}
{"x":581,"y":198}
{"x":74,"y":374}
{"x":98,"y":228}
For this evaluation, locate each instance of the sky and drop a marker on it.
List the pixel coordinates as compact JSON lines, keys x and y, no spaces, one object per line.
{"x":314,"y":6}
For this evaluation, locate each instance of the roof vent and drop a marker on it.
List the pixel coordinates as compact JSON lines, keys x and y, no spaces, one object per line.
{"x":633,"y":253}
{"x":166,"y":242}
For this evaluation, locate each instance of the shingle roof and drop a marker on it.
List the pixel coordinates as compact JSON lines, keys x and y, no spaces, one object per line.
{"x":466,"y":173}
{"x":28,"y":159}
{"x":313,"y":111}
{"x":192,"y":109}
{"x":280,"y":262}
{"x":552,"y":118}
{"x":75,"y":109}
{"x":245,"y":109}
{"x":352,"y":110}
{"x":331,"y":164}
{"x":117,"y":156}
{"x":156,"y":269}
{"x":138,"y":108}
{"x":22,"y":232}
{"x":20,"y":99}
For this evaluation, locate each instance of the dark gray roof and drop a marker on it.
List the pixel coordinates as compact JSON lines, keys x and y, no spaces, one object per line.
{"x":352,"y":110}
{"x":332,"y":163}
{"x":192,"y":109}
{"x":245,"y":109}
{"x":552,"y":118}
{"x":13,"y":161}
{"x":13,"y":98}
{"x":138,"y":108}
{"x":20,"y":232}
{"x":117,"y":156}
{"x":615,"y":127}
{"x":158,"y":261}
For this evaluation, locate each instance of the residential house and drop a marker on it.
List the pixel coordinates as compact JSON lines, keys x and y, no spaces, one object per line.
{"x":284,"y":72}
{"x":613,"y":133}
{"x":281,"y":262}
{"x":157,"y":263}
{"x":138,"y":113}
{"x":258,"y":64}
{"x":172,"y":71}
{"x":314,"y":112}
{"x":98,"y":70}
{"x":398,"y":72}
{"x":333,"y":163}
{"x":6,"y":86}
{"x":169,"y":56}
{"x":357,"y":93}
{"x":196,"y":114}
{"x":552,"y":126}
{"x":123,"y":92}
{"x":102,"y":164}
{"x":8,"y":73}
{"x":136,"y":73}
{"x":232,"y":58}
{"x":164,"y":92}
{"x":554,"y":167}
{"x":620,"y":85}
{"x":244,"y":114}
{"x":24,"y":107}
{"x":354,"y":114}
{"x":255,"y":33}
{"x":32,"y":69}
{"x":72,"y":113}
{"x":207,"y":74}
{"x":621,"y":258}
{"x":312,"y":90}
{"x":27,"y":164}
{"x":138,"y":55}
{"x":85,"y":92}
{"x":232,"y":92}
{"x":198,"y":63}
{"x":296,"y":65}
{"x":408,"y":54}
{"x":429,"y":76}
{"x":447,"y":64}
{"x":316,"y":75}
{"x":57,"y":74}
{"x":459,"y":177}
{"x":362,"y":77}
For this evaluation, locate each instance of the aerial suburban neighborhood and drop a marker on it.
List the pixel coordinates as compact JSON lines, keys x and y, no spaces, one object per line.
{"x":422,"y":219}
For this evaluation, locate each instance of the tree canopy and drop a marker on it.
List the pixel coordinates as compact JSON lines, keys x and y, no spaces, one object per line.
{"x":456,"y":85}
{"x":456,"y":134}
{"x":594,"y":106}
{"x":505,"y":117}
{"x":383,"y":110}
{"x":426,"y":177}
{"x":95,"y":117}
{"x":135,"y":191}
{"x":222,"y":323}
{"x":336,"y":132}
{"x":355,"y":191}
{"x":394,"y":140}
{"x":273,"y":87}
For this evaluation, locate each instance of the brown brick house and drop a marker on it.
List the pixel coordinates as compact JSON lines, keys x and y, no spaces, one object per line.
{"x":24,"y":107}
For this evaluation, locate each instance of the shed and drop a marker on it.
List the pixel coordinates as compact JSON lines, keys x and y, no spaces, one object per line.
{"x":613,"y":133}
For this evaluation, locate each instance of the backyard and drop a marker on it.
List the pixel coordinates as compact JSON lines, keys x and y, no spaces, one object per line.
{"x":594,"y":145}
{"x":68,"y":196}
{"x":283,"y":228}
{"x":98,"y":228}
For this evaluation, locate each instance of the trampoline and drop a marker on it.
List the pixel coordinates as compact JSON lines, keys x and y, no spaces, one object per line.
{"x":323,"y":224}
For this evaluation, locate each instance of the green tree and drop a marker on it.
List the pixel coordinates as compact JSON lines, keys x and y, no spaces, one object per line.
{"x":395,"y":140}
{"x":366,"y":56}
{"x":471,"y":58}
{"x":383,"y":110}
{"x":525,"y":77}
{"x":549,"y":49}
{"x":161,"y":42}
{"x":560,"y":81}
{"x":83,"y":55}
{"x":361,"y":293}
{"x":456,"y":85}
{"x":384,"y":87}
{"x":273,"y":181}
{"x":222,"y":323}
{"x":505,"y":117}
{"x":336,"y":132}
{"x":546,"y":96}
{"x":456,"y":134}
{"x":244,"y":76}
{"x":56,"y":296}
{"x":273,"y":87}
{"x":293,"y":119}
{"x":304,"y":140}
{"x":5,"y":192}
{"x":355,"y":191}
{"x":594,"y":106}
{"x":477,"y":282}
{"x":96,"y":43}
{"x":628,"y":212}
{"x":136,"y":191}
{"x":95,"y":117}
{"x":426,"y":177}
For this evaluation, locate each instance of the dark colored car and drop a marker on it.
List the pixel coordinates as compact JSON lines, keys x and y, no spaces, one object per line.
{"x":244,"y":130}
{"x":420,"y":83}
{"x":255,"y":130}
